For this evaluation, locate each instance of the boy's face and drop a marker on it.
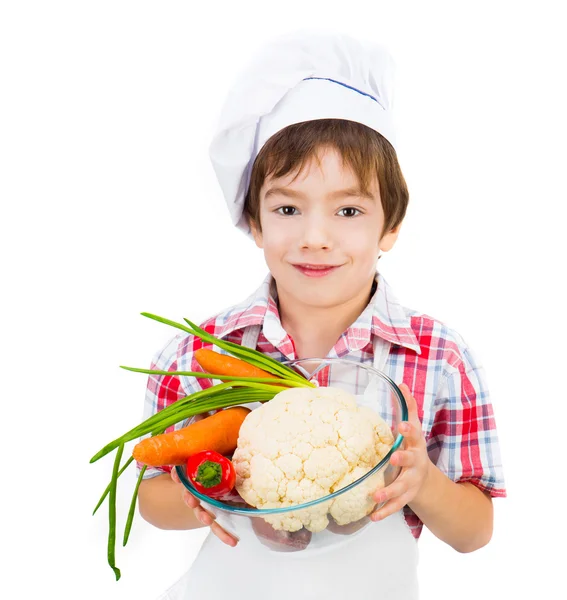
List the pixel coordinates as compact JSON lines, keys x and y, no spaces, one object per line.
{"x":321,"y":219}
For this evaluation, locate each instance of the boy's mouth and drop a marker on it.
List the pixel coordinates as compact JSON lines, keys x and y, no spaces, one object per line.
{"x":316,"y":270}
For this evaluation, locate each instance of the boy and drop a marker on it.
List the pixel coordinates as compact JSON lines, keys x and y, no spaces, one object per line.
{"x":306,"y":158}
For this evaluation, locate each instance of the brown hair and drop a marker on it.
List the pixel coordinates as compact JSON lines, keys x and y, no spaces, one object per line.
{"x":363,"y":149}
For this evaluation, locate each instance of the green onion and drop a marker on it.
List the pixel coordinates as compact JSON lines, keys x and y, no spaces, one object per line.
{"x":288,"y":382}
{"x":235,"y":391}
{"x":112,"y":514}
{"x":156,"y":418}
{"x":105,"y":494}
{"x":195,"y":408}
{"x":133,"y":507}
{"x":251,"y":356}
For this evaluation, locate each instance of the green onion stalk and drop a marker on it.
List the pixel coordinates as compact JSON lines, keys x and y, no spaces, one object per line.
{"x":233,"y":391}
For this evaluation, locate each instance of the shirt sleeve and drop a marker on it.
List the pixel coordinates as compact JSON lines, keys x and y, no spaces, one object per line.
{"x":164,"y":390}
{"x":463,"y":442}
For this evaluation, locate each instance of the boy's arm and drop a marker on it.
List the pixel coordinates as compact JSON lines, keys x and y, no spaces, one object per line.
{"x":460,"y":514}
{"x":165,"y":503}
{"x":161,"y":504}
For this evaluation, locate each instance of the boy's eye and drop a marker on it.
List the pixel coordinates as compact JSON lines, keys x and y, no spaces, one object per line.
{"x":287,"y":211}
{"x":350,"y":211}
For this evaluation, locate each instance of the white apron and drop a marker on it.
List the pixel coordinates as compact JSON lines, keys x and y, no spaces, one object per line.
{"x":378,"y":562}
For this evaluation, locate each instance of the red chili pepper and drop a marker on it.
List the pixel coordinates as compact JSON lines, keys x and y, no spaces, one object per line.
{"x":211,"y":473}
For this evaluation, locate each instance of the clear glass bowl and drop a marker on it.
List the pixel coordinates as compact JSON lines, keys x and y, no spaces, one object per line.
{"x":372,"y":389}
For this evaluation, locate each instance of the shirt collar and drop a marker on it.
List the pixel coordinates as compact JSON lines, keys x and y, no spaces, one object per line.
{"x":384,"y":316}
{"x":252,"y":311}
{"x":390,"y":319}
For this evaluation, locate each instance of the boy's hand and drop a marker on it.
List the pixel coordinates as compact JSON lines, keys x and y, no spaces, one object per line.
{"x":413,"y":459}
{"x":204,"y":517}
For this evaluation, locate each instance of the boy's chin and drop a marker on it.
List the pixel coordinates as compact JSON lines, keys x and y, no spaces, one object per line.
{"x":324,"y":297}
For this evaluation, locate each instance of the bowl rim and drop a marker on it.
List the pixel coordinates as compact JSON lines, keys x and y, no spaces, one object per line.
{"x":258,"y":512}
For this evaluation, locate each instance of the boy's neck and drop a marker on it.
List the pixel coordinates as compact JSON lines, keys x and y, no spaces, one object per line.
{"x":315,"y":330}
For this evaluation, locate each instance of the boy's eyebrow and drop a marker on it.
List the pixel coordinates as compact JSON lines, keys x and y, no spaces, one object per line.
{"x":348,"y":192}
{"x":351,"y":192}
{"x":275,"y":191}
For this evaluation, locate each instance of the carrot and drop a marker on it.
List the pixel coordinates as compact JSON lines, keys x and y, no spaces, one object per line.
{"x":218,"y":432}
{"x":221,"y":364}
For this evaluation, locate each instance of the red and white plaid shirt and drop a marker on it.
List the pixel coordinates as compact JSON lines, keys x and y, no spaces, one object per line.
{"x":433,"y":360}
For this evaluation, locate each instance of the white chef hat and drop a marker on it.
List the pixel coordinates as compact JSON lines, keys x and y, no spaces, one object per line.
{"x":298,"y":77}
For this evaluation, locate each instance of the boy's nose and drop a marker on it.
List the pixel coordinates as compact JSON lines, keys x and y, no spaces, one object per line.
{"x":315,"y":235}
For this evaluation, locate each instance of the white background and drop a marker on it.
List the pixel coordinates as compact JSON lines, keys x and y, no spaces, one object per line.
{"x":110,"y":208}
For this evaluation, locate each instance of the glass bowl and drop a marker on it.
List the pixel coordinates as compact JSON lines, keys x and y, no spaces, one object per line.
{"x":372,"y":389}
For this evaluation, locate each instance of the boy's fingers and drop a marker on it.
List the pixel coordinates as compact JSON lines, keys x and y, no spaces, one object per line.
{"x":203,"y":516}
{"x":389,"y":509}
{"x":209,"y":520}
{"x":403,"y":458}
{"x":174,"y":475}
{"x":190,"y":500}
{"x":222,"y":534}
{"x":394,"y":490}
{"x":410,"y":401}
{"x":413,"y":417}
{"x":412,"y":435}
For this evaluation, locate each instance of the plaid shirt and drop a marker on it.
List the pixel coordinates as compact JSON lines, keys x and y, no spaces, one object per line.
{"x":434,"y":361}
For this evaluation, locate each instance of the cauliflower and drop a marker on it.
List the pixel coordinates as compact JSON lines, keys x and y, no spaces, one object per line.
{"x":357,"y":503}
{"x":304,"y":444}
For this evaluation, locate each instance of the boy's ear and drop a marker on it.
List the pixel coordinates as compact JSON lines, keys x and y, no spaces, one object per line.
{"x":389,"y":239}
{"x":256,"y":233}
